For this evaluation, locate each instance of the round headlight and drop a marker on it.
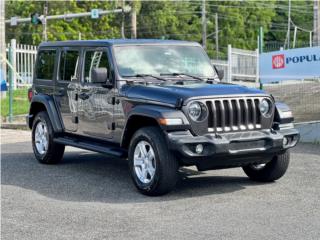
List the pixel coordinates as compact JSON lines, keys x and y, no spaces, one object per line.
{"x":265,"y":107}
{"x":194,"y":111}
{"x":197,"y":111}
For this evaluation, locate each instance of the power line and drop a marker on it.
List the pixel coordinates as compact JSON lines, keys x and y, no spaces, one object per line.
{"x":300,"y":28}
{"x":259,"y":5}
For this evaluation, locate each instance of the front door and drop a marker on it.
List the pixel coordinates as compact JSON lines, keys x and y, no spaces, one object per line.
{"x":95,"y":107}
{"x":67,"y":87}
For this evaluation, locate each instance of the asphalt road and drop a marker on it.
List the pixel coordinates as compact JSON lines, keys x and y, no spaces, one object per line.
{"x":89,"y":196}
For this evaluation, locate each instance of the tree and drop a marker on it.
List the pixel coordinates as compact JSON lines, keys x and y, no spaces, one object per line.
{"x":169,"y":20}
{"x":107,"y":26}
{"x":301,"y":15}
{"x":239,"y":22}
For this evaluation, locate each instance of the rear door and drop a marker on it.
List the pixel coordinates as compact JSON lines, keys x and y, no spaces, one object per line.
{"x":67,"y":87}
{"x":95,"y":106}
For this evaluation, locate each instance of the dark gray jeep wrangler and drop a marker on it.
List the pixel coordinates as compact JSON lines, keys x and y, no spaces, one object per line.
{"x":158,"y":103}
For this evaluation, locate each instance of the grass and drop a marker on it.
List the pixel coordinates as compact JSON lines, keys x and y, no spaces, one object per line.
{"x":20,"y":103}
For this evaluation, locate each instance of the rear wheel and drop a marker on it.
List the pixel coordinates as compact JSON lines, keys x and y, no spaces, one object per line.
{"x":44,"y":148}
{"x":153,"y":168}
{"x":270,"y":171}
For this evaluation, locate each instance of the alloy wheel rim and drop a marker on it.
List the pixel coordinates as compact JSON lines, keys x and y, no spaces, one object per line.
{"x":41,"y":137}
{"x":144,"y":162}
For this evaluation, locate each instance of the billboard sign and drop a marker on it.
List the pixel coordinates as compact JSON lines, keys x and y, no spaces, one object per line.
{"x":293,"y":64}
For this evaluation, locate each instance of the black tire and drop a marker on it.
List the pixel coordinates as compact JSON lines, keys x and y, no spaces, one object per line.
{"x":166,"y":165}
{"x":54,"y":152}
{"x":272,"y":171}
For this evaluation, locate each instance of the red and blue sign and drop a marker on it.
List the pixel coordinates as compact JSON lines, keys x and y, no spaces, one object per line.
{"x":278,"y":61}
{"x":293,"y":64}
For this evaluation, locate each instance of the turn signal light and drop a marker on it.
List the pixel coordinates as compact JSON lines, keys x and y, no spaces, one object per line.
{"x":170,"y":121}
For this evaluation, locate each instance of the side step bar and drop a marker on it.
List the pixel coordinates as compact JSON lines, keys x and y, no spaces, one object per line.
{"x":93,"y":146}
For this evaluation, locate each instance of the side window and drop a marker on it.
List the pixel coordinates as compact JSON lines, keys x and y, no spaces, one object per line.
{"x":95,"y":59}
{"x":45,"y":64}
{"x":69,"y":61}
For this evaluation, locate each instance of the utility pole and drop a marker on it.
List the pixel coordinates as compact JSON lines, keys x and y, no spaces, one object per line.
{"x":45,"y":14}
{"x":133,"y":16}
{"x":289,"y":24}
{"x":261,"y":40}
{"x":294,"y":37}
{"x":122,"y":20}
{"x":316,"y":23}
{"x":217,"y":35}
{"x":204,"y":25}
{"x":2,"y":41}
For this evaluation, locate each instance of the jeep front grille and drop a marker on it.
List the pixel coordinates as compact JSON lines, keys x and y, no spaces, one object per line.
{"x":234,"y":114}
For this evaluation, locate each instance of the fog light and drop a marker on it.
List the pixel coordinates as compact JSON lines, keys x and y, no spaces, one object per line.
{"x":199,"y":148}
{"x":285,"y":141}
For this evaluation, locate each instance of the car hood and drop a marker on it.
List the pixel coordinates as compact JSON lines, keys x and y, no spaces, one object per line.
{"x":169,"y":94}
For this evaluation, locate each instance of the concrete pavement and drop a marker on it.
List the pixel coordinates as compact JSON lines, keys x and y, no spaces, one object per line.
{"x":90,"y":196}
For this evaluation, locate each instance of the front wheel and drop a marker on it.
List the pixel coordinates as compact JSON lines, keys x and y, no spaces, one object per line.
{"x":270,"y":171}
{"x":153,"y":168}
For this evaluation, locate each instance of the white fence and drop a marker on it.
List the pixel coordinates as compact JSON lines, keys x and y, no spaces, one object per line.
{"x":241,"y":65}
{"x":22,"y":61}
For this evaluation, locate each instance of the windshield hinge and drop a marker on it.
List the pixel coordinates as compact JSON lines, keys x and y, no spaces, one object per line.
{"x":179,"y":103}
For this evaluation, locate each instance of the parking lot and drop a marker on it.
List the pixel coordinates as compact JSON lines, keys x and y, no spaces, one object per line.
{"x":89,"y":196}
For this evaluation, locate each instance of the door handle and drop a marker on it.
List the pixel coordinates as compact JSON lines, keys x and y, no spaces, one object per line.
{"x":60,"y":93}
{"x":83,"y":96}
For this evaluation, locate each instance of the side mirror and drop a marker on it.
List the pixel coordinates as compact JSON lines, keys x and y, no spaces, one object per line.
{"x":220,"y":74}
{"x":99,"y":75}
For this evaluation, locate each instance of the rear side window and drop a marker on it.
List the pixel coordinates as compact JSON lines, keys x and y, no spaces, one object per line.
{"x":69,"y":62}
{"x":45,"y":64}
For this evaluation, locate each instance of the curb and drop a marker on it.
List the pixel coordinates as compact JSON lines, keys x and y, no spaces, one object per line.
{"x":20,"y":126}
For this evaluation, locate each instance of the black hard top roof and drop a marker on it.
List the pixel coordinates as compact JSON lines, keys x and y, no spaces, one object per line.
{"x":113,"y":42}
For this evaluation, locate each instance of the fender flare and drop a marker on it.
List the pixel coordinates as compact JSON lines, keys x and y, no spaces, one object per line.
{"x":283,"y":113}
{"x":155,"y":113}
{"x":50,"y":106}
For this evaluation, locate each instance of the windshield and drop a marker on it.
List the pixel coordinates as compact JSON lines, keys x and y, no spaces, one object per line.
{"x":161,"y":60}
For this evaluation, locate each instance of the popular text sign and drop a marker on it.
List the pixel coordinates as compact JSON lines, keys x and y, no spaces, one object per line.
{"x":294,"y":64}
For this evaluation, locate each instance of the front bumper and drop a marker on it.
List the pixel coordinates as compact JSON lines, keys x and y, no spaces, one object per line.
{"x":231,"y":149}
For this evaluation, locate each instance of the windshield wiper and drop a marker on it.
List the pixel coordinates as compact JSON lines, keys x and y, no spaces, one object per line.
{"x":146,"y":75}
{"x":181,"y":74}
{"x":210,"y":80}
